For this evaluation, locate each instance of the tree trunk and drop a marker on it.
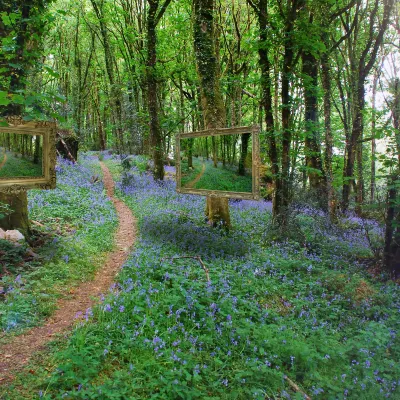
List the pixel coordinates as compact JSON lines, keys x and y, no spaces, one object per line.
{"x":326,"y":84}
{"x":217,"y":208}
{"x":266,"y":103}
{"x":373,"y":133}
{"x":352,"y":145}
{"x":243,"y":153}
{"x":312,"y":147}
{"x":18,"y":219}
{"x":360,"y":177}
{"x":391,"y":254}
{"x":190,"y":153}
{"x":287,"y":77}
{"x":156,"y":139}
{"x":214,"y":151}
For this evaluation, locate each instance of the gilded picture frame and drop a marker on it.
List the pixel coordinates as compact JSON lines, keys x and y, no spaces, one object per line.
{"x":254,"y":131}
{"x":47,"y":180}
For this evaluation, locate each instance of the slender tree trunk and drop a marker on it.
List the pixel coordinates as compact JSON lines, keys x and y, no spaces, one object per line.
{"x":243,"y":153}
{"x":312,"y":147}
{"x":356,"y":135}
{"x":156,"y":139}
{"x":37,"y":150}
{"x":266,"y":103}
{"x":214,"y":151}
{"x":373,"y":133}
{"x":288,"y":60}
{"x":360,"y":178}
{"x":190,"y":153}
{"x":326,"y":84}
{"x":155,"y":130}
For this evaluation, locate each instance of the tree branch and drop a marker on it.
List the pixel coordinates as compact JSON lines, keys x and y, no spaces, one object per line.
{"x":161,"y":12}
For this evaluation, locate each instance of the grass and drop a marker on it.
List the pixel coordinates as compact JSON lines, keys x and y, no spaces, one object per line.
{"x":78,"y":223}
{"x":221,"y":178}
{"x":224,"y":178}
{"x":187,"y":175}
{"x":20,"y":167}
{"x":310,"y":312}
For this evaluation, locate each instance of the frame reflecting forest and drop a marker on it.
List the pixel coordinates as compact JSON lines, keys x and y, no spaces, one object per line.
{"x":222,"y":163}
{"x":21,"y":155}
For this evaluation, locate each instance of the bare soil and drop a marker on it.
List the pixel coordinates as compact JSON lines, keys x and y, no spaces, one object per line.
{"x":4,"y":160}
{"x":15,"y":354}
{"x":198,"y":177}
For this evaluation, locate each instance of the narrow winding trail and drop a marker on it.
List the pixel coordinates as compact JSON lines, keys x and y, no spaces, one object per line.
{"x":191,"y":184}
{"x":17,"y":353}
{"x":4,"y":160}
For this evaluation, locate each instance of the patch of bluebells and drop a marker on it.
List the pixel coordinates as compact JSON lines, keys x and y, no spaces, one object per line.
{"x":77,"y":198}
{"x":266,"y":312}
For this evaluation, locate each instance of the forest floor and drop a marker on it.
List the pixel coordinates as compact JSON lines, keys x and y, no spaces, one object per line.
{"x":205,"y":176}
{"x":192,"y":183}
{"x":3,"y":157}
{"x":18,"y":166}
{"x":269,"y":319}
{"x":18,"y":351}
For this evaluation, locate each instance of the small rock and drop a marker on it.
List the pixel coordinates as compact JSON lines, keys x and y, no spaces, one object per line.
{"x":2,"y":234}
{"x":14,"y":236}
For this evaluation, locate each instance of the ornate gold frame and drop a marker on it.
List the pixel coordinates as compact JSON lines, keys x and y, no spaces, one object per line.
{"x":48,"y":179}
{"x":254,"y":130}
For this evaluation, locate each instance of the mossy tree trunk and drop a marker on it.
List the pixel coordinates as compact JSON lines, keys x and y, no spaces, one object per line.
{"x":266,"y":104}
{"x":312,"y":140}
{"x":18,"y":219}
{"x":217,"y":208}
{"x":154,"y":15}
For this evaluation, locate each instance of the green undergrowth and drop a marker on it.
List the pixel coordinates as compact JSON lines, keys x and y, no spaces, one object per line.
{"x":16,"y":165}
{"x":74,"y":226}
{"x":232,"y":321}
{"x":189,"y":174}
{"x":224,"y":178}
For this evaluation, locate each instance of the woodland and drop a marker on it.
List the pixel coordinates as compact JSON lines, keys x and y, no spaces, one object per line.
{"x":124,"y":288}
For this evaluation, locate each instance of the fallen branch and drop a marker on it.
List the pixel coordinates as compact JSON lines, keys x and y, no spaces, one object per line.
{"x":70,"y":156}
{"x":198,"y":258}
{"x":296,"y":388}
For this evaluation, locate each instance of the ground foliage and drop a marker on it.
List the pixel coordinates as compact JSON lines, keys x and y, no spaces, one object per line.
{"x":270,"y":310}
{"x":77,"y":220}
{"x":19,"y":166}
